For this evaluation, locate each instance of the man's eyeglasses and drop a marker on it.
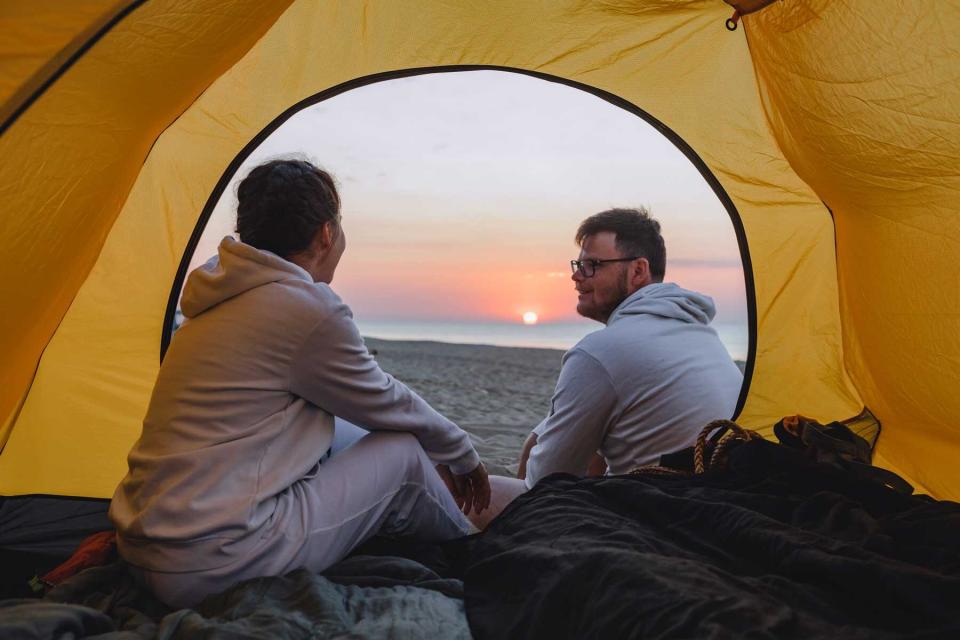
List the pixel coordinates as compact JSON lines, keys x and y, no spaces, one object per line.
{"x":589,"y":267}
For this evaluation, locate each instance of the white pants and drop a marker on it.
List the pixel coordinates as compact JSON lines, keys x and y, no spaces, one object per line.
{"x":376,"y":482}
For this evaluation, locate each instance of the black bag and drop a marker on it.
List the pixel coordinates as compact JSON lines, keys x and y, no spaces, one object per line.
{"x":837,"y":445}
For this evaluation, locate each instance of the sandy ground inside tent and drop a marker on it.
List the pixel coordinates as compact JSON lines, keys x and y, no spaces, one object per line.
{"x":498,"y":394}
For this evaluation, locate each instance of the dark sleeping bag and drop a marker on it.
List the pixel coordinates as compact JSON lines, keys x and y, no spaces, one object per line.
{"x":775,"y":546}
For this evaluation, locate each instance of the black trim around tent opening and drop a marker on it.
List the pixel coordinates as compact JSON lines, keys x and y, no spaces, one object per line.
{"x":613,"y":99}
{"x":69,"y":62}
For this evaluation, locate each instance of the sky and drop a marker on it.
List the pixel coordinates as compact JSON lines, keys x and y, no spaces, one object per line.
{"x":461,"y":194}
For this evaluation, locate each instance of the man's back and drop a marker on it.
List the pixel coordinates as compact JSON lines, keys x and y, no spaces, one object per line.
{"x":643,"y":386}
{"x":670,"y":372}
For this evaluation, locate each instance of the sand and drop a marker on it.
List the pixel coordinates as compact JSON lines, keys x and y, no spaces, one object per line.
{"x":497,"y":394}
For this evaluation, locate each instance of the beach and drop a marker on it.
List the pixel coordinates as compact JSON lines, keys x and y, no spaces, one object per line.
{"x":497,"y":394}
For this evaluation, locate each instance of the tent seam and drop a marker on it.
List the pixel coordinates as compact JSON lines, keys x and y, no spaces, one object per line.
{"x":68,"y":63}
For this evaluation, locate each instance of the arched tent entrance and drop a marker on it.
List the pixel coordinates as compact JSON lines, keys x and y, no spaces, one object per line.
{"x":440,"y":83}
{"x":106,"y":164}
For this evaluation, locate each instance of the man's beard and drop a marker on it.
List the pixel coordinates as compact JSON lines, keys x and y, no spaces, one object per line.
{"x":602,"y":314}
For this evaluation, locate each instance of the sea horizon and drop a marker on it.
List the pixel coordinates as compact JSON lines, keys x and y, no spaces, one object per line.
{"x":543,"y":335}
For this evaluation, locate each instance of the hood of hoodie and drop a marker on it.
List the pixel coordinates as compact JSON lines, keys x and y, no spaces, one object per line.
{"x":235,"y":269}
{"x":667,"y":300}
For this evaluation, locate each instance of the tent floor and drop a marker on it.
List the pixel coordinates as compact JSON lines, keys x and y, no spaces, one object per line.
{"x":19,"y":567}
{"x":38,"y":533}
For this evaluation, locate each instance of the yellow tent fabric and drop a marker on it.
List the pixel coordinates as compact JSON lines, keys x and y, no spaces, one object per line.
{"x":864,"y":101}
{"x":104,"y":175}
{"x":39,"y":38}
{"x":67,"y":163}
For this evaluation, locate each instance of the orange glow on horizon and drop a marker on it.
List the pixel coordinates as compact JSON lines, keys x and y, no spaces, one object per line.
{"x":445,"y":292}
{"x":503,"y":291}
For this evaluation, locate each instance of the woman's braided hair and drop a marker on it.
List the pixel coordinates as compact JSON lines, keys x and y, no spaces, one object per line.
{"x":283,"y":203}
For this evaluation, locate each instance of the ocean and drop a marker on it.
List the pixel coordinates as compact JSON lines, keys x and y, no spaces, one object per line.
{"x":548,"y":335}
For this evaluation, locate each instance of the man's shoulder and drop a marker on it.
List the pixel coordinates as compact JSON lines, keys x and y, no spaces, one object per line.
{"x":591,"y":342}
{"x":620,"y":349}
{"x":609,"y":340}
{"x":593,"y":347}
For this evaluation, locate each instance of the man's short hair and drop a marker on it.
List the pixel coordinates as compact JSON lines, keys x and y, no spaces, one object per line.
{"x":283,"y":203}
{"x":637,"y":234}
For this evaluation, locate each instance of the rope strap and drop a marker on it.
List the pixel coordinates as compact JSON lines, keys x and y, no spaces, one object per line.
{"x":729,"y":434}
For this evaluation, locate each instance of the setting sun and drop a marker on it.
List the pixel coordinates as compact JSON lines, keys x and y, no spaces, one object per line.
{"x":530,"y":318}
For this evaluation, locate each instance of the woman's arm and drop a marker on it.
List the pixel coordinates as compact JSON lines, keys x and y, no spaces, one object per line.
{"x":334,"y":370}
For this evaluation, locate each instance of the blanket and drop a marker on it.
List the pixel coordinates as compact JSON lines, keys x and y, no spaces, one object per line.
{"x":776,"y":546}
{"x":361,"y":597}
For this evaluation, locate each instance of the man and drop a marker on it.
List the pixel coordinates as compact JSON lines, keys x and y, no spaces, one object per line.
{"x":644,"y":385}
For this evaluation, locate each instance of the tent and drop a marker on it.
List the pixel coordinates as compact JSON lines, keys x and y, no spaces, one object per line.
{"x":829,"y":129}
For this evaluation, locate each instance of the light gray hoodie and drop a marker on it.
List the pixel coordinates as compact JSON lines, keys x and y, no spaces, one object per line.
{"x":243,"y":408}
{"x":643,"y":386}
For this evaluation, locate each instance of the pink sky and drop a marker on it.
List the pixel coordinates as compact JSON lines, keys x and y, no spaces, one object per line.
{"x":462,"y":191}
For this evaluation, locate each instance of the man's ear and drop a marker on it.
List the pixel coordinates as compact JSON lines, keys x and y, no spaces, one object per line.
{"x":641,"y":272}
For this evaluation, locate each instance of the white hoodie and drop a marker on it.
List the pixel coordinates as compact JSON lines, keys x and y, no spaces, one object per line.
{"x":243,"y":408}
{"x":643,"y":386}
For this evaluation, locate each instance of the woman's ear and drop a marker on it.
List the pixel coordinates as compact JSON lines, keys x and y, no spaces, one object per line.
{"x":328,"y":234}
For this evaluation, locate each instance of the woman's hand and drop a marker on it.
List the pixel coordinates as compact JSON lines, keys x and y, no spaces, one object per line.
{"x":471,"y":491}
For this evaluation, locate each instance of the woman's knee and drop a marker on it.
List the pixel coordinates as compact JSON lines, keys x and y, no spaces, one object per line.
{"x":345,"y":435}
{"x":404,"y":443}
{"x":398,"y":438}
{"x":400,"y":450}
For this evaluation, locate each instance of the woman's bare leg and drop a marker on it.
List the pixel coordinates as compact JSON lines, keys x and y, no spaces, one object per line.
{"x":502,"y":492}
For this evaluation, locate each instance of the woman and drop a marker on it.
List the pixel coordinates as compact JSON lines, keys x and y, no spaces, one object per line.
{"x":232,"y":476}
